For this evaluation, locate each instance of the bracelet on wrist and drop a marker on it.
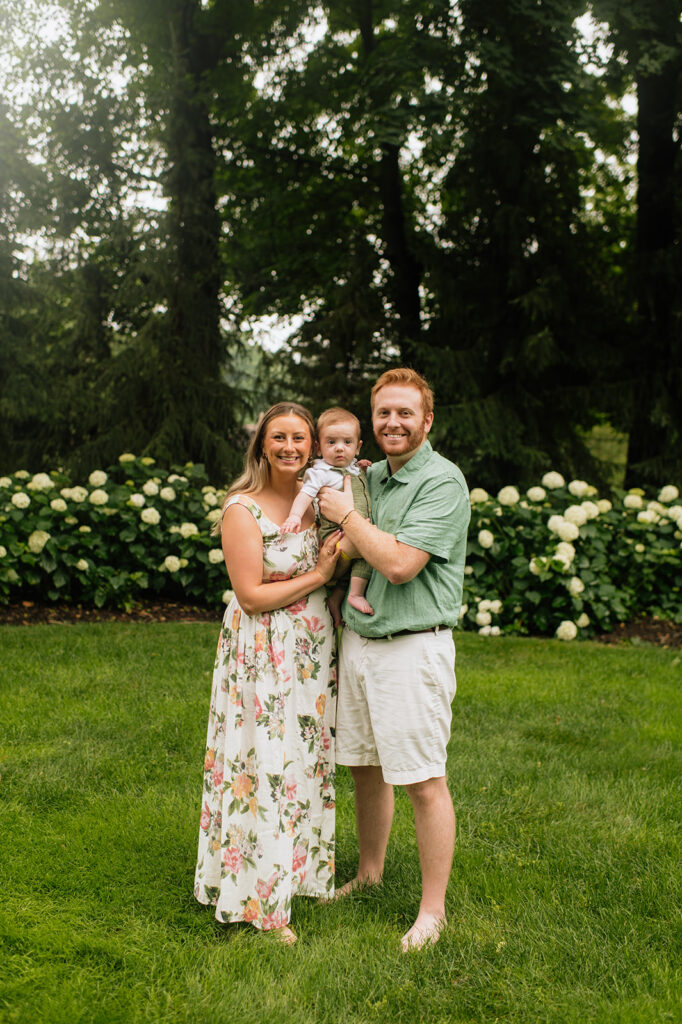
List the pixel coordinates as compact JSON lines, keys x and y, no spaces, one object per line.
{"x":346,"y":516}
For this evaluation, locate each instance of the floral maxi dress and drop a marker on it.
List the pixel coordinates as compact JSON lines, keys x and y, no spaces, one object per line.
{"x":267,"y":820}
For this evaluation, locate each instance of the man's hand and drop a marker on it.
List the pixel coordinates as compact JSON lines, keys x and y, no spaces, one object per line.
{"x":334,"y":505}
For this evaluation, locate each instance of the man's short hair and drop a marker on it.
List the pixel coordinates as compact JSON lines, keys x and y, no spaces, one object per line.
{"x":337,"y":415}
{"x":404,"y":375}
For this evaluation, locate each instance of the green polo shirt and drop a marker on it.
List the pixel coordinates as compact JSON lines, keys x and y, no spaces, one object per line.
{"x":426,"y":505}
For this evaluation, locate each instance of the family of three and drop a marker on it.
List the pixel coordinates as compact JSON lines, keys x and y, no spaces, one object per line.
{"x":276,"y":729}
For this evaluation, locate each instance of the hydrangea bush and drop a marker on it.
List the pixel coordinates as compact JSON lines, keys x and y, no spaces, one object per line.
{"x":558,"y":560}
{"x":561,"y":560}
{"x":134,"y":530}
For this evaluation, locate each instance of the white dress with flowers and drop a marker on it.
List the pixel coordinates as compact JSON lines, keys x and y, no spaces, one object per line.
{"x":267,"y":820}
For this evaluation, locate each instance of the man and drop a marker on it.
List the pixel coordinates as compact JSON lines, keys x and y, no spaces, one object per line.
{"x":397,"y":678}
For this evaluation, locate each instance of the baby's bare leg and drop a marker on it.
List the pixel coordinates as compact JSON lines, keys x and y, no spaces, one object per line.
{"x":334,"y":602}
{"x":356,"y":595}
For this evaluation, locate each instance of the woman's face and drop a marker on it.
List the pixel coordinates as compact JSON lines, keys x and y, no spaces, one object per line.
{"x":287,"y":444}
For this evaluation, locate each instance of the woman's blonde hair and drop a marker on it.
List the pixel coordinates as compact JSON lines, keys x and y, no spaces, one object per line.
{"x":256,"y":473}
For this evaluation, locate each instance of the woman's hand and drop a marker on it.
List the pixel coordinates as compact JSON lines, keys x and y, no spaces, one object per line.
{"x":328,"y":556}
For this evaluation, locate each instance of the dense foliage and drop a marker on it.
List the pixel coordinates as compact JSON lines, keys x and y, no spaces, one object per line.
{"x":455,"y":186}
{"x":559,"y":560}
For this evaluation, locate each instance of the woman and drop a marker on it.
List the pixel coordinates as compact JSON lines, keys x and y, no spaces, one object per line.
{"x":267,"y":823}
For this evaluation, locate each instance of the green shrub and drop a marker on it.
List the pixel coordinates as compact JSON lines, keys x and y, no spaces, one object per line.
{"x":557,"y":560}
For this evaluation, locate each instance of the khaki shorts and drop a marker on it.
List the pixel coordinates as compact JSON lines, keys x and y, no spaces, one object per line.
{"x":394,"y":704}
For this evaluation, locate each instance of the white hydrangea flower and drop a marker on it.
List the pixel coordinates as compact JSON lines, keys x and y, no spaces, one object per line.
{"x":553,"y":480}
{"x":477,"y":495}
{"x":22,"y":474}
{"x":485,"y":630}
{"x":171,"y":563}
{"x":579,"y":488}
{"x":183,"y":563}
{"x":176,"y":476}
{"x":127,"y":457}
{"x":495,"y":631}
{"x":568,"y":531}
{"x":3,"y":551}
{"x":208,"y":489}
{"x":668,"y":493}
{"x":675,"y":513}
{"x":640,"y":549}
{"x":468,"y":569}
{"x":97,"y":478}
{"x":37,"y":541}
{"x":463,"y":610}
{"x":485,"y":538}
{"x":647,"y":516}
{"x":582,"y":621}
{"x":496,"y":607}
{"x":58,"y":505}
{"x":99,"y":497}
{"x":575,"y":514}
{"x":137,"y":500}
{"x":40,"y":482}
{"x":604,"y":505}
{"x":566,"y":630}
{"x":565,"y":553}
{"x":150,"y":516}
{"x":150,"y":488}
{"x":70,"y":520}
{"x":590,"y":508}
{"x":82,"y":565}
{"x":483,"y":618}
{"x":536,"y":493}
{"x":20,"y":500}
{"x":210,"y":499}
{"x":188,"y":529}
{"x":227,"y":596}
{"x":554,"y":522}
{"x":215,"y":556}
{"x":483,"y":605}
{"x":78,"y":494}
{"x":167,"y":494}
{"x":214,"y":515}
{"x":5,"y":481}
{"x":508,"y":495}
{"x":536,"y":566}
{"x":147,"y":460}
{"x":632,"y":501}
{"x":85,"y":529}
{"x":575,"y":586}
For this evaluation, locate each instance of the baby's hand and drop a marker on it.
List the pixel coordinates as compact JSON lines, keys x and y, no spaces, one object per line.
{"x":292,"y":525}
{"x":364,"y":464}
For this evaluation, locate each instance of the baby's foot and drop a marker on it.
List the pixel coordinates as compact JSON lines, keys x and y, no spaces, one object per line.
{"x":360,"y":603}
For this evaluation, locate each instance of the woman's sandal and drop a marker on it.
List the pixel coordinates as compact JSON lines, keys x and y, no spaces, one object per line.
{"x":284,"y":935}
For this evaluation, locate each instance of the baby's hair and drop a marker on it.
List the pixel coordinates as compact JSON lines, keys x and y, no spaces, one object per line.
{"x":337,"y":415}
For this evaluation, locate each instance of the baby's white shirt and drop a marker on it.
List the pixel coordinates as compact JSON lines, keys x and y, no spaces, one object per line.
{"x":321,"y":474}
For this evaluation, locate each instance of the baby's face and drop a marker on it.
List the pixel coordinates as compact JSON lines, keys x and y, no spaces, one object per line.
{"x":339,"y":443}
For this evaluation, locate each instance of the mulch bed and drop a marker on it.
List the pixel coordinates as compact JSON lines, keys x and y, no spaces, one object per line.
{"x":641,"y":631}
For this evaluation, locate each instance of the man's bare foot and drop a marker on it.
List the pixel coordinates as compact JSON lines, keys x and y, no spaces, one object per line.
{"x":354,"y":885}
{"x":361,"y":604}
{"x":424,"y":932}
{"x":284,"y":935}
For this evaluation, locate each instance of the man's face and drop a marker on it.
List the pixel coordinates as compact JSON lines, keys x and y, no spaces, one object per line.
{"x":398,"y":421}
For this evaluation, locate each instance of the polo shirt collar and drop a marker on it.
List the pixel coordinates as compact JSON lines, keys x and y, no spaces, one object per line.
{"x":412,"y":466}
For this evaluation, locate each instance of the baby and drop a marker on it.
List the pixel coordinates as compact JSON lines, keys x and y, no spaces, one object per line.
{"x":338,"y":444}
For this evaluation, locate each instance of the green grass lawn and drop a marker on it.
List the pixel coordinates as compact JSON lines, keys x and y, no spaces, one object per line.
{"x":564,"y":902}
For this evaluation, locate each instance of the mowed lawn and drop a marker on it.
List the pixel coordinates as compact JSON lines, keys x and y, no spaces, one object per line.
{"x":564,"y":903}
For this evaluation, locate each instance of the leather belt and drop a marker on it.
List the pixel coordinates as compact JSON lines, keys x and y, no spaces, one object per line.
{"x":409,"y":632}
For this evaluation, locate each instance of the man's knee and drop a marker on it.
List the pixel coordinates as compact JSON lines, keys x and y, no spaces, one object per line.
{"x":430,"y":791}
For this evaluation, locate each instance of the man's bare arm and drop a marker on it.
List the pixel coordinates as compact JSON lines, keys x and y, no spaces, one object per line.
{"x":398,"y":562}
